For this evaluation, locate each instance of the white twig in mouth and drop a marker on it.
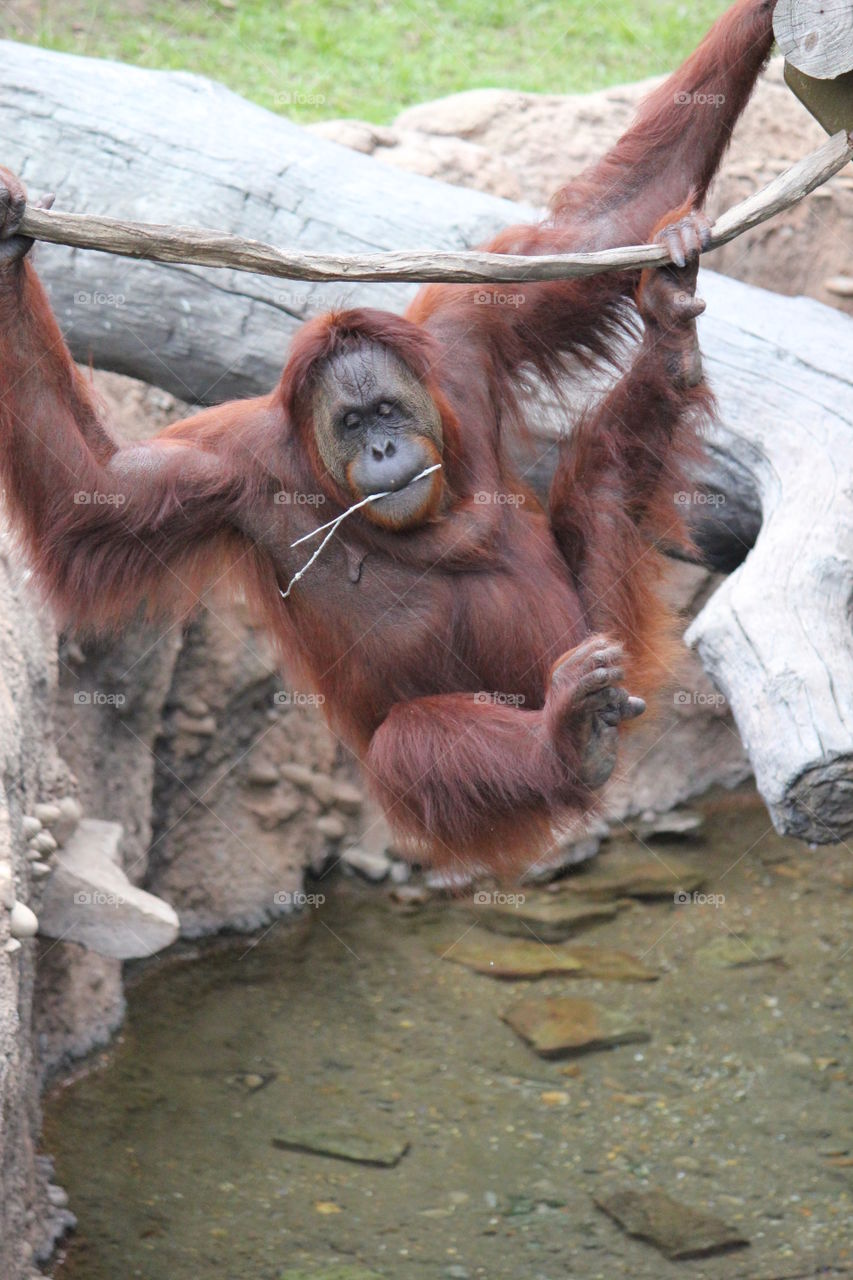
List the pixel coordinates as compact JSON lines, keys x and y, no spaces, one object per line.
{"x":332,"y":525}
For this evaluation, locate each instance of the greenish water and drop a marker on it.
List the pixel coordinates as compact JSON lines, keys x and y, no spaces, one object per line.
{"x":739,"y":1104}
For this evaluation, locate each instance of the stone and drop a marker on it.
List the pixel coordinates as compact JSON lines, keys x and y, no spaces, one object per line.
{"x":23,"y":923}
{"x":346,"y":796}
{"x":39,"y":869}
{"x":198,"y":726}
{"x":674,"y":824}
{"x":344,"y":1142}
{"x":30,"y":826}
{"x":546,"y":917}
{"x":43,"y":843}
{"x":347,"y":1271}
{"x":70,"y":814}
{"x":737,"y":951}
{"x":677,"y":1230}
{"x":480,"y":951}
{"x":47,"y":813}
{"x":7,"y":885}
{"x":262,"y":773}
{"x":88,"y":899}
{"x":332,"y":826}
{"x":275,"y":811}
{"x":560,"y":1026}
{"x":372,"y":865}
{"x":636,"y":878}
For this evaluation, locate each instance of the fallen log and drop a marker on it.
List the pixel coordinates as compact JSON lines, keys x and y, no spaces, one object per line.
{"x":153,"y":146}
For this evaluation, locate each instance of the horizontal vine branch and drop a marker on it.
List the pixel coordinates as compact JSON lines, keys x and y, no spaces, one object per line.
{"x":197,"y":246}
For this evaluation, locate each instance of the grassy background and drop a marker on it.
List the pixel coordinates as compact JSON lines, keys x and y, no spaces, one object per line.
{"x":318,"y":59}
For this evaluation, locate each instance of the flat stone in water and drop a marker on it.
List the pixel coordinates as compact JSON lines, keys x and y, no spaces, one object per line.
{"x":736,"y":951}
{"x":344,"y":1143}
{"x":519,"y":958}
{"x":636,"y":878}
{"x":344,"y":1272}
{"x":678,"y":1230}
{"x":557,"y":1026}
{"x":544,"y":916}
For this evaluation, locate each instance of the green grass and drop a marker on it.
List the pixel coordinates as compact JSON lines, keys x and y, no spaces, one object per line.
{"x":318,"y":59}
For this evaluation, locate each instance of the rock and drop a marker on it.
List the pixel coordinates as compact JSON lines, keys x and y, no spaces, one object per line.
{"x":198,"y":726}
{"x":373,"y":866}
{"x":262,"y":773}
{"x":569,"y":854}
{"x":675,"y":823}
{"x":677,"y":1230}
{"x":344,"y":1143}
{"x":345,"y":796}
{"x":43,"y":843}
{"x":275,"y":811}
{"x":12,"y":946}
{"x":57,"y":1196}
{"x":401,"y":872}
{"x":47,"y":814}
{"x":841,"y":286}
{"x":332,"y":826}
{"x":70,"y":813}
{"x":88,"y":899}
{"x":737,"y":951}
{"x":7,"y":885}
{"x":528,"y":959}
{"x":30,"y":826}
{"x":545,"y":917}
{"x":40,"y":869}
{"x":23,"y":923}
{"x":635,"y":878}
{"x":347,"y":1271}
{"x":558,"y":1026}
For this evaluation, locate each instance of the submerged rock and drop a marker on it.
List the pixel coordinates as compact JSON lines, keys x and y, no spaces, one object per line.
{"x":556,"y":1026}
{"x":347,"y":1271}
{"x":736,"y":951}
{"x":678,"y":1230}
{"x":343,"y":1142}
{"x":636,"y":878}
{"x":529,"y":959}
{"x":545,"y":917}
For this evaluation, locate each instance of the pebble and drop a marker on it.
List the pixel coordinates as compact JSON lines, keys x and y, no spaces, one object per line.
{"x":43,"y":843}
{"x":262,"y":773}
{"x":71,"y":814}
{"x":548,"y":917}
{"x":57,"y":1196}
{"x":737,"y":951}
{"x":373,"y":866}
{"x":7,"y":888}
{"x":39,"y":870}
{"x":557,"y":1026}
{"x":23,"y":923}
{"x":30,"y":826}
{"x":401,"y":872}
{"x":47,"y":813}
{"x":200,"y":726}
{"x":332,"y":826}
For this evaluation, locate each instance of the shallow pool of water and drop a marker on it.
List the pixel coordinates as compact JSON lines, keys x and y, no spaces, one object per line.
{"x":739,"y":1104}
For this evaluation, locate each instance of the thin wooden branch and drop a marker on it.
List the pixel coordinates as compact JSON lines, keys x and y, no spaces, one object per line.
{"x":199,"y":247}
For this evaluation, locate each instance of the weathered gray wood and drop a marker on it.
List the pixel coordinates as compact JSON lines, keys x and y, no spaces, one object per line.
{"x":172,"y":147}
{"x":816,"y":36}
{"x":776,"y":637}
{"x":200,"y":246}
